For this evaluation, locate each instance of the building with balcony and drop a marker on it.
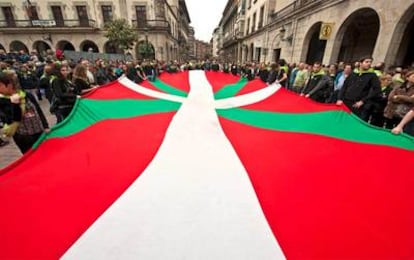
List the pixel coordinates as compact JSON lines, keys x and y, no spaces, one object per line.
{"x":202,"y":50}
{"x":184,"y":33}
{"x":328,"y":31}
{"x":256,"y":40}
{"x":79,"y":25}
{"x":191,"y":46}
{"x":231,"y":31}
{"x":216,"y":42}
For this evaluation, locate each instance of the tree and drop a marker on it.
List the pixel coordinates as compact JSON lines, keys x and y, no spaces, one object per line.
{"x":121,"y":34}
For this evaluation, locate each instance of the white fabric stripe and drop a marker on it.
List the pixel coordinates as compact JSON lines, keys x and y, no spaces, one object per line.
{"x":194,"y":201}
{"x":149,"y":92}
{"x":247,"y":99}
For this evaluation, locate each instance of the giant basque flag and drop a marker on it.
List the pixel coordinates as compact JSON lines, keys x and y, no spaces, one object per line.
{"x":205,"y":165}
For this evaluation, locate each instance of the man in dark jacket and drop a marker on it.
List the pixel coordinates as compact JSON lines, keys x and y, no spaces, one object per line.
{"x":319,"y":86}
{"x":360,"y":89}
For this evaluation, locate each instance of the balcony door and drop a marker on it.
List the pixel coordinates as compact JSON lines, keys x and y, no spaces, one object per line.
{"x":58,"y":15}
{"x":32,"y":13}
{"x":141,"y":12}
{"x":83,"y":15}
{"x":8,"y":16}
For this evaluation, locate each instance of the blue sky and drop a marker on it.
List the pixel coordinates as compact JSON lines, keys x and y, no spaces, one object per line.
{"x":205,"y":16}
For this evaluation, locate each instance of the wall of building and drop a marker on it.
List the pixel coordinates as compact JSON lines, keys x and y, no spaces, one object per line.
{"x":164,"y":42}
{"x":389,"y":46}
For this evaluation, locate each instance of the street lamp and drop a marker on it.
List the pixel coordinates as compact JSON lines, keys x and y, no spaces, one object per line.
{"x":282,"y":33}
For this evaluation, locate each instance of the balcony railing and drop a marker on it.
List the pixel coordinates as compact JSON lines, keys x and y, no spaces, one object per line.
{"x":162,"y":25}
{"x":47,"y":23}
{"x":307,"y":2}
{"x":284,"y":12}
{"x":298,"y":6}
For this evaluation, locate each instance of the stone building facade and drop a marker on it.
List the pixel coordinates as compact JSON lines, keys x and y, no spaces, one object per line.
{"x":191,"y":44}
{"x":202,"y":50}
{"x":231,"y":31}
{"x":327,"y":31}
{"x":79,"y":25}
{"x":216,"y":42}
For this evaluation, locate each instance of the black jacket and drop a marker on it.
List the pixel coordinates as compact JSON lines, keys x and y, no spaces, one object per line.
{"x":319,"y":87}
{"x":361,"y":86}
{"x":63,"y":93}
{"x":9,"y":112}
{"x":275,"y":75}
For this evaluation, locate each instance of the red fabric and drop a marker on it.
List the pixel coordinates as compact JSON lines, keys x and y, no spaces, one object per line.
{"x":178,"y":80}
{"x":252,"y":86}
{"x":148,"y":85}
{"x":59,"y":54}
{"x":57,"y":192}
{"x":326,"y":198}
{"x":115,"y":90}
{"x":289,"y":102}
{"x":219,"y":79}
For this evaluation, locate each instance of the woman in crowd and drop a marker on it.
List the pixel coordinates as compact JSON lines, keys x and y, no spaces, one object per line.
{"x":80,"y":80}
{"x":276,"y":74}
{"x":27,"y":121}
{"x":400,"y":101}
{"x":64,"y":96}
{"x":110,"y":73}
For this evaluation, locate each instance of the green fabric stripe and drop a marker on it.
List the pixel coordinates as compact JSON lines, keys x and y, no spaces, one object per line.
{"x":231,"y":89}
{"x":88,"y":112}
{"x":336,"y":124}
{"x":167,"y":88}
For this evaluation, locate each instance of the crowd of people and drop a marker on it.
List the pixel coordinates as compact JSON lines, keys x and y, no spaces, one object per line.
{"x":384,"y":98}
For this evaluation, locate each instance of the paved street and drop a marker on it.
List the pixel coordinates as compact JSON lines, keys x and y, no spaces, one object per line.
{"x":10,"y":152}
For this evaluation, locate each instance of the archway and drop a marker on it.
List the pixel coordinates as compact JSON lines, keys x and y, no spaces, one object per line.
{"x":358,"y":35}
{"x":145,"y":50}
{"x":402,"y":39}
{"x":313,"y":45}
{"x":89,"y":46}
{"x":65,"y":46}
{"x":1,"y":47}
{"x":41,"y":47}
{"x":110,"y":47}
{"x":18,"y":46}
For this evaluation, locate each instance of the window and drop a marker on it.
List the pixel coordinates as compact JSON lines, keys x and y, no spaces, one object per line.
{"x":107,"y":13}
{"x":241,"y":29}
{"x":8,"y":15}
{"x":57,"y":15}
{"x":83,"y":15}
{"x":261,"y":17}
{"x":248,"y":26}
{"x":254,"y":23}
{"x":32,"y":13}
{"x":258,"y":54}
{"x":141,"y":12}
{"x":276,"y":55}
